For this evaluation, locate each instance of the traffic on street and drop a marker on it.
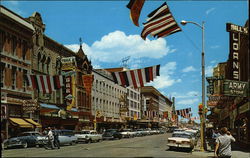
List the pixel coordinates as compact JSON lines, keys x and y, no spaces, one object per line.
{"x":152,"y":145}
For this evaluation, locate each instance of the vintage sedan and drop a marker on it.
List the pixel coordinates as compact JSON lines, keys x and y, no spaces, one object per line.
{"x":66,"y":137}
{"x":181,"y":140}
{"x":111,"y":134}
{"x":25,"y":139}
{"x":88,"y":136}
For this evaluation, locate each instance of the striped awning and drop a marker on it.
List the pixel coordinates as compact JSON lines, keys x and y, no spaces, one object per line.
{"x":21,"y":122}
{"x":34,"y":123}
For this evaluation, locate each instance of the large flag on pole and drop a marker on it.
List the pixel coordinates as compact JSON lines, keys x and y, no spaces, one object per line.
{"x":136,"y":78}
{"x":135,"y":7}
{"x":160,"y":23}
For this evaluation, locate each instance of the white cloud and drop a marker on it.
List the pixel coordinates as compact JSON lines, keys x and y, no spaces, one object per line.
{"x":188,"y":101}
{"x":210,"y":10}
{"x":209,"y":70}
{"x":117,"y":45}
{"x":189,"y":69}
{"x":165,"y":79}
{"x":190,"y":94}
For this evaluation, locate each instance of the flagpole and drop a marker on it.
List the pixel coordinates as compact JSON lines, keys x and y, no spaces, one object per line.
{"x":203,"y":119}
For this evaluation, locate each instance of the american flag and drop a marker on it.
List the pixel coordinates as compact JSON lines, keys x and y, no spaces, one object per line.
{"x":160,"y":23}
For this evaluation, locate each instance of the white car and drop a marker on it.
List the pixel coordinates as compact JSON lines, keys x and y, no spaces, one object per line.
{"x":88,"y":136}
{"x":181,"y":140}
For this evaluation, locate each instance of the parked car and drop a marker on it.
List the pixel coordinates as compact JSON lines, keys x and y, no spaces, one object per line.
{"x":66,"y":137}
{"x":111,"y":134}
{"x":181,"y":140}
{"x":25,"y":139}
{"x":88,"y":136}
{"x":126,"y":133}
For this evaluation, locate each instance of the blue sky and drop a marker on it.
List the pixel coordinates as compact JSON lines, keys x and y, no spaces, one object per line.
{"x":109,"y":35}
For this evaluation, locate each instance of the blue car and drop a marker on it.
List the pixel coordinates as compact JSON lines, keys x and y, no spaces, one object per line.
{"x":66,"y":137}
{"x":25,"y":139}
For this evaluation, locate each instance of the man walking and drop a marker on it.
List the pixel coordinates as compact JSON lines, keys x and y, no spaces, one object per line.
{"x":223,"y":144}
{"x":56,"y":139}
{"x":51,"y":138}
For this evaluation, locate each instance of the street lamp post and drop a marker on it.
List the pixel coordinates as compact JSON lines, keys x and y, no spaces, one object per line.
{"x":183,"y":22}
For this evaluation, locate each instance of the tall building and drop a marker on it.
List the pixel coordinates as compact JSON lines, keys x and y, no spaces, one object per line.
{"x":157,"y":108}
{"x":16,"y":46}
{"x":106,"y":101}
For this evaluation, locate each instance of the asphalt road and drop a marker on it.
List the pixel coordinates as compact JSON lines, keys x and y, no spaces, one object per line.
{"x":147,"y":146}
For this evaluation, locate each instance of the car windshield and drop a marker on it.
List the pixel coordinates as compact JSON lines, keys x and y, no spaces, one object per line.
{"x":181,"y":135}
{"x":85,"y":132}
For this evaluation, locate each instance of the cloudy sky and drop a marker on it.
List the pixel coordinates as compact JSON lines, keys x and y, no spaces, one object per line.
{"x":109,"y":35}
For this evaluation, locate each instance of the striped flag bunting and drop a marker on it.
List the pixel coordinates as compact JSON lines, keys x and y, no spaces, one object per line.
{"x":136,"y":78}
{"x":185,"y":113}
{"x":160,"y":23}
{"x":135,"y":7}
{"x":45,"y":83}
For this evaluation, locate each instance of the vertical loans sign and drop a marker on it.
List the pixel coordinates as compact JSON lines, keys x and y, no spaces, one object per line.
{"x":235,"y":32}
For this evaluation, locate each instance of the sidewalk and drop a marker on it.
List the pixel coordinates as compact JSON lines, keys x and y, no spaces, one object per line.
{"x":237,"y":152}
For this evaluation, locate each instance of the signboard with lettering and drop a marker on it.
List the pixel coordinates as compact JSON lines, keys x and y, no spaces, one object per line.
{"x":68,"y":63}
{"x":235,"y":88}
{"x":235,"y":32}
{"x":30,"y":106}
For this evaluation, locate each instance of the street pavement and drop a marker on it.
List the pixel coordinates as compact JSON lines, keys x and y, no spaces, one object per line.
{"x":147,"y":146}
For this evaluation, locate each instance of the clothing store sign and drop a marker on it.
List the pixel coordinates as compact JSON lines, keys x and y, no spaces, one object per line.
{"x":235,"y":32}
{"x":235,"y":88}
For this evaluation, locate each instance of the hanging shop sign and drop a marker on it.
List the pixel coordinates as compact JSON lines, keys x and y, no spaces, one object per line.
{"x":68,"y":63}
{"x":30,"y":106}
{"x":87,"y":82}
{"x":235,"y":88}
{"x":244,"y":108}
{"x":235,"y":32}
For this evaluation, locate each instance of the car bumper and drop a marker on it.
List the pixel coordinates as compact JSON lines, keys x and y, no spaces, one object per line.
{"x":82,"y":140}
{"x":179,"y":145}
{"x":5,"y":146}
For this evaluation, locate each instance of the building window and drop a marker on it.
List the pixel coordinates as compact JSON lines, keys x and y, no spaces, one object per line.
{"x":24,"y":80}
{"x":13,"y":75}
{"x":48,"y":65}
{"x":43,"y":63}
{"x":38,"y":61}
{"x":24,"y":50}
{"x":13,"y":45}
{"x":2,"y":74}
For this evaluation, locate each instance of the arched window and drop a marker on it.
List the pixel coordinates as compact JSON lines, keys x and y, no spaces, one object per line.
{"x":39,"y":56}
{"x":48,"y":64}
{"x":43,"y":61}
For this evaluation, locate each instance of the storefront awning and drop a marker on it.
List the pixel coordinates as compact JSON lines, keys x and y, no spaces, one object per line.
{"x":49,"y":106}
{"x":22,"y":123}
{"x":34,"y":123}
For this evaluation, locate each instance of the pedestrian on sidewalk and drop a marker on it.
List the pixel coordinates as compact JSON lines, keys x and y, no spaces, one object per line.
{"x":223,"y":144}
{"x":56,"y":138}
{"x":215,"y":135}
{"x":51,"y":138}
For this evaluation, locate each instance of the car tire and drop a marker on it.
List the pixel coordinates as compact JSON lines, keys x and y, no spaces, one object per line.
{"x":25,"y":144}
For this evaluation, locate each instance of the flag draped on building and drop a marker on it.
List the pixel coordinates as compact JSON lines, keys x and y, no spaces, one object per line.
{"x":160,"y":23}
{"x":45,"y":83}
{"x":185,"y":113}
{"x":135,"y":7}
{"x":136,"y":78}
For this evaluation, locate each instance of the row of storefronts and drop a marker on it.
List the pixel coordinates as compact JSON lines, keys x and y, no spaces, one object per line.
{"x":33,"y":96}
{"x":229,"y":95}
